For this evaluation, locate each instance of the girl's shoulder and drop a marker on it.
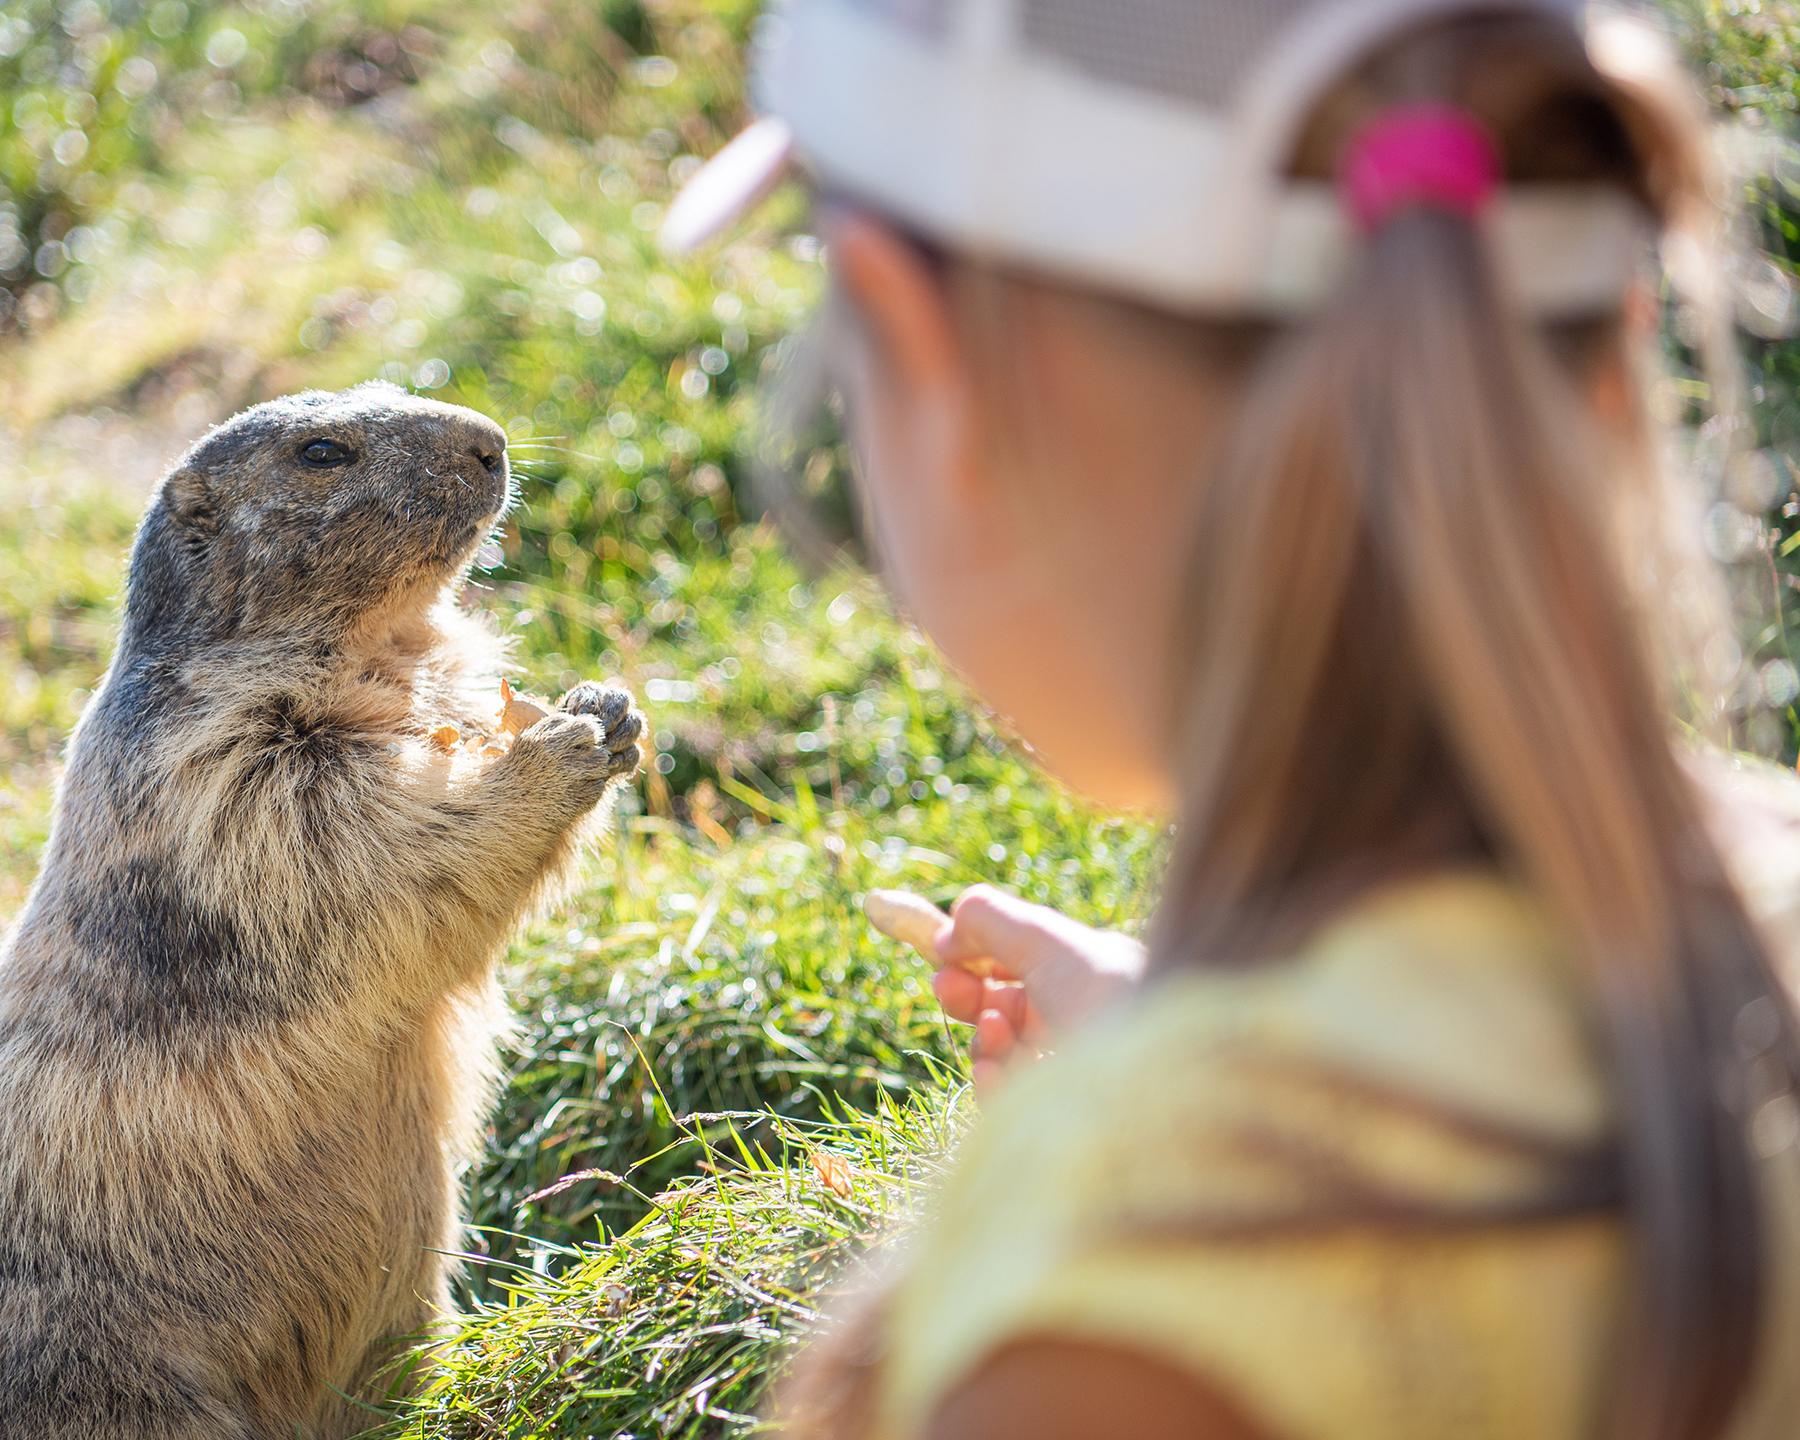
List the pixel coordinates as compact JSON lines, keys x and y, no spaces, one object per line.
{"x":1427,"y":1049}
{"x":1386,"y":1149}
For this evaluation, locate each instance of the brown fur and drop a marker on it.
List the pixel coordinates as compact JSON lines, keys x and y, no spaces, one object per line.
{"x":247,"y":1014}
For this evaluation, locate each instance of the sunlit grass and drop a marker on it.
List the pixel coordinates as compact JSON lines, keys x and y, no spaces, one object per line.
{"x":677,"y":1325}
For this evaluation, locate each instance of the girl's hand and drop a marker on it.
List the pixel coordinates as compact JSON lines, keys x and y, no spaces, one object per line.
{"x":1048,"y":974}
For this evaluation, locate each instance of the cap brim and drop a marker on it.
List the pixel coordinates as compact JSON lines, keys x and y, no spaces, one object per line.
{"x":728,"y":185}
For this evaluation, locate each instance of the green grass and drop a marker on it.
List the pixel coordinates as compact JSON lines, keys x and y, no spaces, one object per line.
{"x":267,"y":196}
{"x":668,"y":1327}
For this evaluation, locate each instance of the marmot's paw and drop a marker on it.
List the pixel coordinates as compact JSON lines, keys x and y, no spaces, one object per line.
{"x":611,"y":706}
{"x":578,"y":753}
{"x":606,"y":703}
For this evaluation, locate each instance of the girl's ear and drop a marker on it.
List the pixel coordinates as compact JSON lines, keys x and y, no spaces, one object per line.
{"x":900,"y":302}
{"x":1643,"y":312}
{"x":1613,"y":389}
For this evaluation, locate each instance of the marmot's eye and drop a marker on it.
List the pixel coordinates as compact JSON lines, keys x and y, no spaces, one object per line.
{"x":325,"y":453}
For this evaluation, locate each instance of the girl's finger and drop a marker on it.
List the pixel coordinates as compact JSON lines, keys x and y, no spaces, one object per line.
{"x":1011,"y":1004}
{"x":987,"y":1075}
{"x":985,"y":924}
{"x":995,"y":1039}
{"x":965,"y":997}
{"x":959,"y":992}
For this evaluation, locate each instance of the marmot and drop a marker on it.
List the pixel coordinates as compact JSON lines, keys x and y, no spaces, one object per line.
{"x":247,"y":1014}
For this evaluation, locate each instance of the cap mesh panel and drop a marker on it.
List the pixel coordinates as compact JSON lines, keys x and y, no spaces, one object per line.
{"x":1190,"y":51}
{"x":928,"y":17}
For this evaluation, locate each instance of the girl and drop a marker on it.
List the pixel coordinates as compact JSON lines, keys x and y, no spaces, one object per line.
{"x":1245,"y":397}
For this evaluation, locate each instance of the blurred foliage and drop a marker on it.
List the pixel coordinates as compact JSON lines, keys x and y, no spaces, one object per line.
{"x":98,"y":92}
{"x":1746,"y":53}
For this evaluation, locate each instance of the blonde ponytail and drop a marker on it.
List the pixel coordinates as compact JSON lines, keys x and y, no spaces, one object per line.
{"x":1409,"y":604}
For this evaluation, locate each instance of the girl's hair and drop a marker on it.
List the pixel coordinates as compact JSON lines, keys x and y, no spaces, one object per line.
{"x":1423,"y":593}
{"x":1436,"y":601}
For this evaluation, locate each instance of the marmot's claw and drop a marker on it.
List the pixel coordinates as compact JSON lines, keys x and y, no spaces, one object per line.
{"x":606,"y":703}
{"x":622,"y":737}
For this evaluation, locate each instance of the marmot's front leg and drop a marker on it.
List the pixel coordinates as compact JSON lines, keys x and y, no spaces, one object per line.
{"x":568,"y":759}
{"x":482,"y":851}
{"x":559,"y":768}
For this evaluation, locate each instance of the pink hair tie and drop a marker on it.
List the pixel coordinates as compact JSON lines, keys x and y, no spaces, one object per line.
{"x":1434,"y":156}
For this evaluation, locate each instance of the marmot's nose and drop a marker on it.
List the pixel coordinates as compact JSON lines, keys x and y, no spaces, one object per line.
{"x":485,"y":441}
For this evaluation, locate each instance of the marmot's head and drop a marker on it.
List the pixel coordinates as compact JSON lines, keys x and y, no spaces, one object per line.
{"x":313,"y":510}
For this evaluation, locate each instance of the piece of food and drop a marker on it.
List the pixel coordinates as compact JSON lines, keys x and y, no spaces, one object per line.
{"x":445,"y":738}
{"x":518,"y":713}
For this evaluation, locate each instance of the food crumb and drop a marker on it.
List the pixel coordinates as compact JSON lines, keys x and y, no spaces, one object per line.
{"x":518,"y":713}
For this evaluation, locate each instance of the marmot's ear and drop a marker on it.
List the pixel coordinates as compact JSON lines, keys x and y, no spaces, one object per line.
{"x":189,"y":500}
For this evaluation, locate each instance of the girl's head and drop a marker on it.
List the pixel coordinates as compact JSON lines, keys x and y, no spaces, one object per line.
{"x":1244,"y":396}
{"x":1052,"y":327}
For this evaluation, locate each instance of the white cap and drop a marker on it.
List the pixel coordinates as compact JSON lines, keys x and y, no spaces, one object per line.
{"x":1136,"y":145}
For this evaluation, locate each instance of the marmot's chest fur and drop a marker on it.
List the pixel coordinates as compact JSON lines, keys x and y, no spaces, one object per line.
{"x":246,"y":1016}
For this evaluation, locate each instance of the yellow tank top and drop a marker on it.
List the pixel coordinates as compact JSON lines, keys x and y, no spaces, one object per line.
{"x":1212,"y":1177}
